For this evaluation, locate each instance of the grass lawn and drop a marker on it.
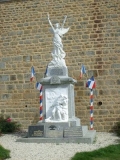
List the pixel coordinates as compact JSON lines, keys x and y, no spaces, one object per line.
{"x":4,"y":153}
{"x":111,"y":152}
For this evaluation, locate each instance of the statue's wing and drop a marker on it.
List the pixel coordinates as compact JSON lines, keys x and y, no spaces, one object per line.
{"x":63,"y":31}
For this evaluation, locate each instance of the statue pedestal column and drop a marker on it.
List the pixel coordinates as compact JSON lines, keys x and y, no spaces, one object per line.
{"x":58,"y":100}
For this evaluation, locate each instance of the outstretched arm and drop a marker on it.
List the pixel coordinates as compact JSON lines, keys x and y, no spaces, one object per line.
{"x":64,"y":21}
{"x":50,"y":22}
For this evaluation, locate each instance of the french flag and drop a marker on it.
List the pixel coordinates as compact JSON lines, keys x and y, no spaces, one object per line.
{"x":38,"y":86}
{"x":82,"y":71}
{"x":32,"y":74}
{"x":91,"y":83}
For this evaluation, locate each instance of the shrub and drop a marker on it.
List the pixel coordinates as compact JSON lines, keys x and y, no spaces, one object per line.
{"x":7,"y":126}
{"x":4,"y":153}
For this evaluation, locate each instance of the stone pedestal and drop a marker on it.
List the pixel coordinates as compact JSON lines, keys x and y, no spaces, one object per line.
{"x":57,"y":89}
{"x":59,"y":123}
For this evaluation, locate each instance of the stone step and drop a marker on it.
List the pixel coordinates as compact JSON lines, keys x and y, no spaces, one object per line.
{"x":73,"y":132}
{"x":88,"y":138}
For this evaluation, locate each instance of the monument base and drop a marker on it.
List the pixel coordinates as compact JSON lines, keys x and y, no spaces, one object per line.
{"x":58,"y":133}
{"x":59,"y":123}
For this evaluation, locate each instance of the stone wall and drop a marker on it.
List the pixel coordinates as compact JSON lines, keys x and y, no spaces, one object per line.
{"x":93,"y":40}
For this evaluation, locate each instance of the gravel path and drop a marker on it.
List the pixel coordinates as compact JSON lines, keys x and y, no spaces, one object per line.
{"x":50,"y":151}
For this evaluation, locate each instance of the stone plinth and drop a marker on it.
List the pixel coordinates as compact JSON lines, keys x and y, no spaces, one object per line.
{"x":57,"y":71}
{"x":53,"y":88}
{"x":59,"y":123}
{"x":63,"y":134}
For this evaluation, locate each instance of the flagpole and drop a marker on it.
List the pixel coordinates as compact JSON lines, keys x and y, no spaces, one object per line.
{"x":91,"y":85}
{"x":91,"y":109}
{"x":41,"y":105}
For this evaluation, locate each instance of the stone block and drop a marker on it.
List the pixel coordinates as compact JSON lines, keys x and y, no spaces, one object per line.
{"x":57,"y":71}
{"x":19,"y":86}
{"x":2,"y":87}
{"x":20,"y":32}
{"x":118,"y":81}
{"x":27,"y":41}
{"x":17,"y":58}
{"x":103,"y":112}
{"x":28,"y":86}
{"x":27,"y":58}
{"x":85,"y":36}
{"x":2,"y":65}
{"x":15,"y":115}
{"x":16,"y":96}
{"x":56,"y":125}
{"x":36,"y":131}
{"x":53,"y":131}
{"x":73,"y":132}
{"x":20,"y":76}
{"x":10,"y":110}
{"x":10,"y":87}
{"x":36,"y":57}
{"x":12,"y":33}
{"x":21,"y":42}
{"x":21,"y":115}
{"x":4,"y":0}
{"x":90,"y":53}
{"x":12,"y":77}
{"x":4,"y":78}
{"x":115,"y":65}
{"x":29,"y":95}
{"x":28,"y":114}
{"x":27,"y":77}
{"x":20,"y":25}
{"x":92,"y":73}
{"x":6,"y":96}
{"x":6,"y":59}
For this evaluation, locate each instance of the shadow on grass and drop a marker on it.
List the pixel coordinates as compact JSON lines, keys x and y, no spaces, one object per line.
{"x":111,"y":152}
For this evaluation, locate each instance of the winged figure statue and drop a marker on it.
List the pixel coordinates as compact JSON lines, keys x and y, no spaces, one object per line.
{"x":58,"y":53}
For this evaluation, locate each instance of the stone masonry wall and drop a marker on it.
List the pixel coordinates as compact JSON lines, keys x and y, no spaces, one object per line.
{"x":93,"y":40}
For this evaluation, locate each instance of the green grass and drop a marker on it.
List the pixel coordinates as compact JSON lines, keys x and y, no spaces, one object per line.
{"x":4,"y":153}
{"x":111,"y":152}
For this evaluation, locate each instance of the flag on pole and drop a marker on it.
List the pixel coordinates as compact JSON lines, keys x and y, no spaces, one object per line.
{"x":91,"y":83}
{"x":32,"y":74}
{"x":38,"y":86}
{"x":82,"y":71}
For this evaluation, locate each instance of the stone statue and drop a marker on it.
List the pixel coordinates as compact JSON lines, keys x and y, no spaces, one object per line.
{"x":58,"y":53}
{"x":59,"y":109}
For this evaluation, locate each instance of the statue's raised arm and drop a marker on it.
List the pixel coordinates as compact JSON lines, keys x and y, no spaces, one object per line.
{"x":50,"y":21}
{"x":64,"y":21}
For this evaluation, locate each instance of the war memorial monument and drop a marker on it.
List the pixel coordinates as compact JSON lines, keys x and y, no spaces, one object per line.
{"x":59,"y":123}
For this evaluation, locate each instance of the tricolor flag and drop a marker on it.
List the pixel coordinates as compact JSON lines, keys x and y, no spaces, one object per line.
{"x":38,"y":86}
{"x":91,"y":83}
{"x":32,"y":74}
{"x":82,"y":71}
